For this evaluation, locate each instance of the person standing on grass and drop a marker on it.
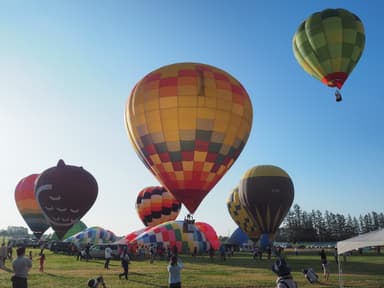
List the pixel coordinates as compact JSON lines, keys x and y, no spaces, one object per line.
{"x":3,"y":254}
{"x":174,"y":267}
{"x":42,"y":260}
{"x":125,"y":260}
{"x":108,"y":256}
{"x":21,"y":265}
{"x":324,"y":264}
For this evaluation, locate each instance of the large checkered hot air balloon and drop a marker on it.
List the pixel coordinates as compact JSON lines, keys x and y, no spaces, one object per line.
{"x":267,"y":192}
{"x":156,"y":205}
{"x":188,"y":123}
{"x":328,"y":45}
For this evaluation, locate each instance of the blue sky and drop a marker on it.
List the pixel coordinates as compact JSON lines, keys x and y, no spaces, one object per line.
{"x":68,"y":67}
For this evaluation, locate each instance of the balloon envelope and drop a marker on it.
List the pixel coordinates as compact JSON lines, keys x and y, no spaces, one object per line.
{"x":76,"y":228}
{"x":238,"y":237}
{"x":329,"y":44}
{"x":156,"y":205}
{"x":170,"y":234}
{"x":267,"y":192}
{"x":28,"y":206}
{"x":188,"y":122}
{"x":65,"y":193}
{"x":93,"y":235}
{"x":241,"y":216}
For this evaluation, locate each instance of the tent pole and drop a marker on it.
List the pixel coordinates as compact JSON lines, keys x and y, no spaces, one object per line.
{"x":341,"y":282}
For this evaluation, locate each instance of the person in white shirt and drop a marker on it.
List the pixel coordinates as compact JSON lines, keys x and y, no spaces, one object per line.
{"x":174,"y":267}
{"x":108,"y":256}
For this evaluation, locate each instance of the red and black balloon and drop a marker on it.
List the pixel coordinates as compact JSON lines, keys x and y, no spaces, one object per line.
{"x":156,"y":205}
{"x":65,"y":193}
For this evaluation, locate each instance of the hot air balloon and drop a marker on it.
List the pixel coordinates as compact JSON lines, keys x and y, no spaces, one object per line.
{"x":156,"y":205}
{"x":267,"y":192}
{"x":170,"y":234}
{"x":328,"y":45}
{"x":238,"y":237}
{"x":241,"y":216}
{"x":133,"y":235}
{"x":188,"y":122}
{"x":28,"y":206}
{"x":65,"y":193}
{"x":94,"y":235}
{"x":76,"y":228}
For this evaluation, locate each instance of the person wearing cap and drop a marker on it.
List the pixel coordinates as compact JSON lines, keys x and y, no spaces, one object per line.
{"x":283,"y":272}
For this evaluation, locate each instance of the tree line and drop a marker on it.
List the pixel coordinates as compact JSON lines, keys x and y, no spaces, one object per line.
{"x":315,"y":226}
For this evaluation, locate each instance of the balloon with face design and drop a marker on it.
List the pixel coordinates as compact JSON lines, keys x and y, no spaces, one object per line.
{"x":65,"y":193}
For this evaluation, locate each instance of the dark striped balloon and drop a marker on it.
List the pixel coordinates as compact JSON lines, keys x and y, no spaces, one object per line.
{"x":156,"y":205}
{"x":267,"y":192}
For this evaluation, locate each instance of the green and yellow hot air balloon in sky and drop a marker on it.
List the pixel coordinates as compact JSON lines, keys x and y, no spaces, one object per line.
{"x":329,"y":44}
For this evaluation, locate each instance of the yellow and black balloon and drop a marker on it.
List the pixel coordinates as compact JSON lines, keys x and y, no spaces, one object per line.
{"x":188,"y":123}
{"x":328,"y":45}
{"x":241,"y":216}
{"x":267,"y":193}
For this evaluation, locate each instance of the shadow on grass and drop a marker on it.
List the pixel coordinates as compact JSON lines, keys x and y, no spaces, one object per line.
{"x":146,"y":280}
{"x":354,"y":266}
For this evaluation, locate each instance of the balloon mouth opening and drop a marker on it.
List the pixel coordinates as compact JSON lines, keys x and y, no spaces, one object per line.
{"x":336,"y":79}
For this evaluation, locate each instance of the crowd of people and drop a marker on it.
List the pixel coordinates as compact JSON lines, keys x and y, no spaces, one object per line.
{"x":22,"y":264}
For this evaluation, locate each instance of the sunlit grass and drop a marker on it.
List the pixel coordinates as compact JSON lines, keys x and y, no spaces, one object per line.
{"x":239,"y":271}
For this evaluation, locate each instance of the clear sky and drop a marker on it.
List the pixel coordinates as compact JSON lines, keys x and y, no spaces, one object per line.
{"x":68,"y":67}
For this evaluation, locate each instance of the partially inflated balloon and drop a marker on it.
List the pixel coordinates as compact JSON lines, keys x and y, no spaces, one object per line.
{"x":76,"y":228}
{"x":133,"y":235}
{"x":241,"y":216}
{"x":94,"y":235}
{"x":267,"y":192}
{"x":188,"y":122}
{"x":170,"y":234}
{"x":238,"y":237}
{"x":156,"y":205}
{"x":65,"y":193}
{"x":28,"y":206}
{"x":328,"y":45}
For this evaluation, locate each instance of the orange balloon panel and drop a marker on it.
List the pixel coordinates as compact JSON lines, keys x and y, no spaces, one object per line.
{"x":189,"y":123}
{"x":29,"y":207}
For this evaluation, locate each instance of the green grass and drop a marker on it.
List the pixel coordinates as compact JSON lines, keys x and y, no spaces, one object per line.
{"x":239,"y":271}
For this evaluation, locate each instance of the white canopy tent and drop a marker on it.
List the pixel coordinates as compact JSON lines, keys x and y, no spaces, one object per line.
{"x":374,"y":238}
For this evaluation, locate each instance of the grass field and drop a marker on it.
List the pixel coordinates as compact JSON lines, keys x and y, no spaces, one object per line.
{"x":239,"y":271}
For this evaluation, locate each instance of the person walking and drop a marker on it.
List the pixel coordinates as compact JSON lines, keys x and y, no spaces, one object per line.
{"x":283,"y":272}
{"x":21,"y":266}
{"x":42,"y":260}
{"x":108,"y":256}
{"x":125,"y":261}
{"x":174,"y":268}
